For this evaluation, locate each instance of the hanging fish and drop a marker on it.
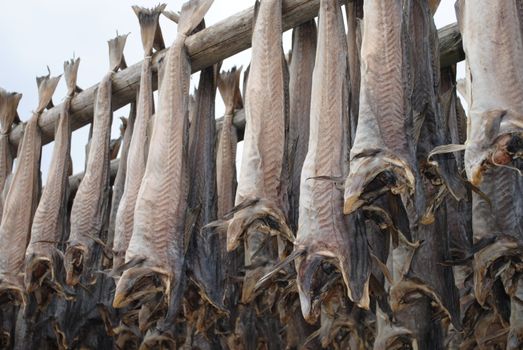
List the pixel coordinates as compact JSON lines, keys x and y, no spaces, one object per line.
{"x":494,"y":144}
{"x":22,"y":200}
{"x":204,"y":251}
{"x":354,"y":16}
{"x":228,"y":84}
{"x":323,"y":230}
{"x":157,"y":243}
{"x":124,"y":141}
{"x":90,"y":204}
{"x":137,"y":158}
{"x":48,"y":229}
{"x":303,"y":53}
{"x":8,"y":105}
{"x":382,"y":157}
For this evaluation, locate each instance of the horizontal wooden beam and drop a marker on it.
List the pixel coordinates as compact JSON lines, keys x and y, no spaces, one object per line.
{"x":207,"y":47}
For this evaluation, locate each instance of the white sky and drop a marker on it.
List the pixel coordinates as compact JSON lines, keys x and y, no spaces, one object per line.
{"x":36,"y":33}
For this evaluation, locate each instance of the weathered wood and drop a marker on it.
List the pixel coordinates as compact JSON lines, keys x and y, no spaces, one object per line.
{"x":207,"y":47}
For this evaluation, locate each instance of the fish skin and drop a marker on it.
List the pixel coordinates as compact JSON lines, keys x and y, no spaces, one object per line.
{"x":384,"y":128}
{"x":8,"y":104}
{"x":22,"y":200}
{"x":91,"y":200}
{"x":159,"y":216}
{"x":48,"y":226}
{"x":300,"y":83}
{"x":137,"y":159}
{"x":262,"y":168}
{"x":323,"y":231}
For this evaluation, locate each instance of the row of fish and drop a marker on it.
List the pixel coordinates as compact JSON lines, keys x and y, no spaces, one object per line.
{"x":356,"y":220}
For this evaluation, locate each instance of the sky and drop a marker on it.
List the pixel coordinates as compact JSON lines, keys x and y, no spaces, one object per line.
{"x":35,"y":34}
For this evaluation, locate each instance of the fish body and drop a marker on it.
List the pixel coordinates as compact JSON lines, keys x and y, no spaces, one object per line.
{"x":48,"y":226}
{"x":8,"y":104}
{"x":21,"y":201}
{"x":323,"y":229}
{"x":261,"y":173}
{"x":382,"y":149}
{"x":157,"y":240}
{"x":90,"y":204}
{"x":300,"y":83}
{"x":137,"y":158}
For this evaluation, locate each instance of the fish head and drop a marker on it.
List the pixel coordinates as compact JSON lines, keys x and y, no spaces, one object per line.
{"x":75,"y":256}
{"x":37,"y":269}
{"x":396,"y":338}
{"x":371,"y":175}
{"x":11,"y":291}
{"x":158,"y":340}
{"x":5,"y":339}
{"x":140,"y":283}
{"x":254,"y":212}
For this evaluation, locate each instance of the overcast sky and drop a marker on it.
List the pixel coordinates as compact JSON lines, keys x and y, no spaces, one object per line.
{"x":35,"y":34}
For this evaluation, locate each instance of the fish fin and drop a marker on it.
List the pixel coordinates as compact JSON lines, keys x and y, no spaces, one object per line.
{"x":192,"y":14}
{"x":149,"y":24}
{"x":116,"y":57}
{"x":70,"y":74}
{"x":278,"y":267}
{"x":46,"y":87}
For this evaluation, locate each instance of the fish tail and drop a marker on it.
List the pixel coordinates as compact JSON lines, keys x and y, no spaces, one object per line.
{"x":8,"y":104}
{"x":192,"y":14}
{"x":149,"y":26}
{"x":229,"y":87}
{"x":46,"y":87}
{"x":116,"y":57}
{"x":70,"y":73}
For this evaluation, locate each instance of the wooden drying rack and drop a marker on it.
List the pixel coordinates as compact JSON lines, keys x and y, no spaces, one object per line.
{"x":207,"y":47}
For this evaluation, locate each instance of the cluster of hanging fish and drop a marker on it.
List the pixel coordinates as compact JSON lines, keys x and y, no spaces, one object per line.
{"x":356,"y":220}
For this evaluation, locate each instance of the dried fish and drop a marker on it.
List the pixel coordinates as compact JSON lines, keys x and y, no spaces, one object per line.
{"x":49,"y":224}
{"x":159,"y":217}
{"x":323,"y":231}
{"x":22,"y":200}
{"x":494,"y":84}
{"x":262,"y":174}
{"x":383,"y":153}
{"x":137,"y":158}
{"x":204,"y":252}
{"x":126,"y":133}
{"x":303,"y":54}
{"x":8,"y":104}
{"x":229,"y":86}
{"x":90,"y":204}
